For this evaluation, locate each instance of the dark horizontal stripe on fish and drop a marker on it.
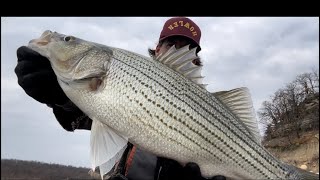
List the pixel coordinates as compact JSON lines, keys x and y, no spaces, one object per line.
{"x":221,"y":113}
{"x":254,"y":145}
{"x":190,"y":139}
{"x":165,"y":135}
{"x":144,"y":66}
{"x":143,"y":72}
{"x":204,"y":126}
{"x":221,"y":121}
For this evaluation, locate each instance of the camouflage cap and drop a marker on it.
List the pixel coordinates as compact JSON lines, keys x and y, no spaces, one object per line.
{"x":181,"y":26}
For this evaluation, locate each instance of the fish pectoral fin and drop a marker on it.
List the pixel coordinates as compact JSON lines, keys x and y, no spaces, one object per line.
{"x":239,"y":102}
{"x":78,"y":84}
{"x":107,"y":147}
{"x":91,"y":84}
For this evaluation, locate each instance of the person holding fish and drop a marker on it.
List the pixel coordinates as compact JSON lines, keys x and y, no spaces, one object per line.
{"x":37,"y":78}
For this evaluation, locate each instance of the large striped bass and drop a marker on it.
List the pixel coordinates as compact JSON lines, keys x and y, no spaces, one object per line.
{"x":161,"y":107}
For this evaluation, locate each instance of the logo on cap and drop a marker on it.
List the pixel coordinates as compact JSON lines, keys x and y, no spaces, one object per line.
{"x":186,"y":25}
{"x":181,"y":26}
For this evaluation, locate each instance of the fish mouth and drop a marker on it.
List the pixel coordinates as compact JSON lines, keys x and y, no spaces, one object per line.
{"x":43,"y":40}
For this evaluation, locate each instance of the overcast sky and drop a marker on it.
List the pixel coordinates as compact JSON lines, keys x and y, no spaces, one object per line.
{"x":260,"y":53}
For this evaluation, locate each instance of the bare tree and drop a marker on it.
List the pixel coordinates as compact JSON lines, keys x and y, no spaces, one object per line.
{"x":294,"y":99}
{"x":284,"y":114}
{"x":308,"y":82}
{"x":315,"y":77}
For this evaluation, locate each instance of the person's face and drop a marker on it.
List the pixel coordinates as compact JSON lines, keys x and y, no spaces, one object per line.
{"x":165,"y":46}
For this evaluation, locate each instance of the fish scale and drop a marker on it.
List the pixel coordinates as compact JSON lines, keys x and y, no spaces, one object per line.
{"x":163,"y":110}
{"x":171,"y":109}
{"x":182,"y":90}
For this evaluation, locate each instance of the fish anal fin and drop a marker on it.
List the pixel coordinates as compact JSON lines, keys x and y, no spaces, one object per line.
{"x":107,"y":147}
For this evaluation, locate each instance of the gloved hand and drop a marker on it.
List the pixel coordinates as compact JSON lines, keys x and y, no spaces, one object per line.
{"x":36,"y":77}
{"x":171,"y":170}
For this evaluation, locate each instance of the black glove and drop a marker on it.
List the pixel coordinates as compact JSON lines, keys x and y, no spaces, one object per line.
{"x":169,"y":170}
{"x":36,"y":77}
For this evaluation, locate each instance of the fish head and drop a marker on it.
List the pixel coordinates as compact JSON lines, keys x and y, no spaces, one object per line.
{"x":72,"y":58}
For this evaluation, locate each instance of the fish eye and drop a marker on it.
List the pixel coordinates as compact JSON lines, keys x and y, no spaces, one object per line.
{"x":68,"y":38}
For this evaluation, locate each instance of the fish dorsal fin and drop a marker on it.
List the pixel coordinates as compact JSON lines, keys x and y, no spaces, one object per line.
{"x":107,"y":147}
{"x":239,"y":102}
{"x":180,"y":60}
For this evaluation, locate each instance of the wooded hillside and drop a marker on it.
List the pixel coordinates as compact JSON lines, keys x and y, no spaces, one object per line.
{"x":291,"y":121}
{"x":293,"y":109}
